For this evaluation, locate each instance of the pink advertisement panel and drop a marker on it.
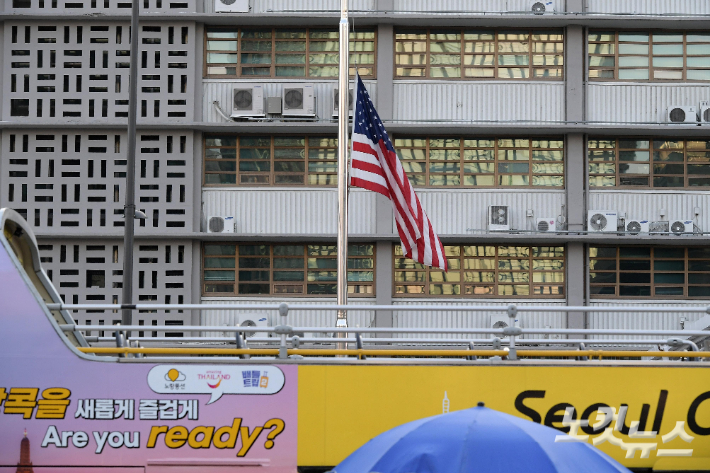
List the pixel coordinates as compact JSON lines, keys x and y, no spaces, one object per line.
{"x":59,"y":410}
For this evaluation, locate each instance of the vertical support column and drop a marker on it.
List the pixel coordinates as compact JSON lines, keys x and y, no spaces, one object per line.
{"x":574,"y":73}
{"x":383,"y":284}
{"x":385,"y":69}
{"x":196,"y":286}
{"x":199,"y":55}
{"x":576,"y":273}
{"x":384,"y":215}
{"x":575,"y":169}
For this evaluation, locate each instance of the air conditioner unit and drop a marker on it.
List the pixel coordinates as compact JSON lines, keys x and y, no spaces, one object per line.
{"x":659,"y":227}
{"x":602,"y":220}
{"x":498,"y":218}
{"x":681,"y":227}
{"x":682,"y":114}
{"x":542,"y":7}
{"x":634,"y":227}
{"x":705,"y":112}
{"x":547,"y":224}
{"x":336,"y":102}
{"x":254,"y":320}
{"x":221,"y":224}
{"x":231,"y":6}
{"x":299,"y":100}
{"x":248,"y":101}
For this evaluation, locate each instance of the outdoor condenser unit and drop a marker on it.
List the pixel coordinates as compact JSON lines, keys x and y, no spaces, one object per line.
{"x":248,"y":101}
{"x":634,"y":227}
{"x":602,"y":220}
{"x":682,"y":114}
{"x":542,"y":7}
{"x":336,"y":102}
{"x":681,"y":227}
{"x":299,"y":100}
{"x":498,"y":218}
{"x":546,"y":224}
{"x":705,"y":112}
{"x":218,"y":224}
{"x":231,"y":6}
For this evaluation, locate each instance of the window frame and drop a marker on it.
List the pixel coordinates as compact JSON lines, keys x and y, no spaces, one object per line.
{"x":272,"y":173}
{"x":652,"y":272}
{"x":272,"y":67}
{"x":496,"y":270}
{"x":652,"y":174}
{"x":651,"y":68}
{"x":495,"y":161}
{"x":271,"y":269}
{"x":462,"y":52}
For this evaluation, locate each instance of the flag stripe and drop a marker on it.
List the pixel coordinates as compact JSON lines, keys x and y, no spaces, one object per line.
{"x":376,"y":167}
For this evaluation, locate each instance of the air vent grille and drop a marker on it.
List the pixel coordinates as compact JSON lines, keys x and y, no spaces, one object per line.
{"x":216,"y":224}
{"x":677,"y":115}
{"x":499,"y":215}
{"x":243,"y":99}
{"x":293,"y":99}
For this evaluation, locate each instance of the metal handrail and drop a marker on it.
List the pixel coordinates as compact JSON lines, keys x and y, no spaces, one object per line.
{"x":420,"y":307}
{"x":599,"y":354}
{"x":463,"y":331}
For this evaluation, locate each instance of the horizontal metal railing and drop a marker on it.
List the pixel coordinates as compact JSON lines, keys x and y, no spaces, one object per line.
{"x":422,"y":307}
{"x":410,"y":347}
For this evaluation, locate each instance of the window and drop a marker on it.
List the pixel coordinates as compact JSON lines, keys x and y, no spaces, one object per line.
{"x":642,"y":271}
{"x":479,"y":54}
{"x":271,"y":160}
{"x":656,"y":163}
{"x":649,"y":56}
{"x":264,"y":269}
{"x":485,"y":271}
{"x":308,"y":52}
{"x":482,"y":162}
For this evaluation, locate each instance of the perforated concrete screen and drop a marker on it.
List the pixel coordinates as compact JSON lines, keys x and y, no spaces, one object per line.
{"x":91,"y":272}
{"x":78,"y":71}
{"x":78,"y":7}
{"x":70,"y":182}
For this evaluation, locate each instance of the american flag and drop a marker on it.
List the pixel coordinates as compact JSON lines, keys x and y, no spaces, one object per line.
{"x":375,"y":167}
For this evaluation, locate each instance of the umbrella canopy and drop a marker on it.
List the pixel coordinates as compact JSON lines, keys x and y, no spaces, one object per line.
{"x":476,"y":440}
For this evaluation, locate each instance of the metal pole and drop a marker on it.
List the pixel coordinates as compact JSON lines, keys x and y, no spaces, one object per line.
{"x":129,"y":209}
{"x":343,"y":107}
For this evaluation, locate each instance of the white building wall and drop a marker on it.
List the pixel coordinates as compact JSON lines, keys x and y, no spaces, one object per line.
{"x":656,"y":7}
{"x":290,"y":211}
{"x":296,"y":318}
{"x":464,"y":211}
{"x":641,"y":320}
{"x":649,"y":204}
{"x":467,"y":320}
{"x":645,"y":103}
{"x":427,"y":100}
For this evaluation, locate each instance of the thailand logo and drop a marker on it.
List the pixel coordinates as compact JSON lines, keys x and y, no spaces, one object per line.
{"x":213,"y":378}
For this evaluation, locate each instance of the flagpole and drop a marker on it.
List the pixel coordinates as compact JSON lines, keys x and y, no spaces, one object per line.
{"x":343,"y":107}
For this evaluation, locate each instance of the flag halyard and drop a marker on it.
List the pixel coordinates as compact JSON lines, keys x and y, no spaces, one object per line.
{"x":376,"y":167}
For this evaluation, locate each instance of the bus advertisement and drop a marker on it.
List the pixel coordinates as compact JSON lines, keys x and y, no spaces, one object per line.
{"x":62,"y":410}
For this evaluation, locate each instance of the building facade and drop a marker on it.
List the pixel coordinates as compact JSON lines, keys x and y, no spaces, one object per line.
{"x":555,"y":117}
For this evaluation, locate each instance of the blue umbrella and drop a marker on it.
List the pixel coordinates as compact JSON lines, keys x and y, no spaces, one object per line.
{"x":476,"y":440}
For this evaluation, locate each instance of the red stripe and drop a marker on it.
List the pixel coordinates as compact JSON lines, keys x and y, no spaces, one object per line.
{"x":364,"y":148}
{"x":369,"y":167}
{"x":369,"y":185}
